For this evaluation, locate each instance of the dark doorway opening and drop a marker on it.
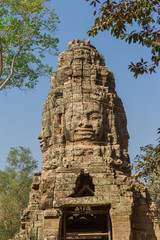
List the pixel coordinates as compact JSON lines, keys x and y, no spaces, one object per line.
{"x":86,"y":223}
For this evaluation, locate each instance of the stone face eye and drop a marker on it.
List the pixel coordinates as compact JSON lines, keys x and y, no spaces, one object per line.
{"x":95,"y":116}
{"x":77,"y":117}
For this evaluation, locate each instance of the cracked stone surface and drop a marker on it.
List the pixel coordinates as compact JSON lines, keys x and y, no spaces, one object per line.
{"x":84,"y":142}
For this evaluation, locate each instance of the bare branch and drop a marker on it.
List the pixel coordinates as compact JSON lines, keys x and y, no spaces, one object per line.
{"x":1,"y":59}
{"x":12,"y":68}
{"x":9,"y":49}
{"x":5,"y":32}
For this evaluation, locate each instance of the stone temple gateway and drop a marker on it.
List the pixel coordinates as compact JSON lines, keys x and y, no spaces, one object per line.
{"x":85,"y":190}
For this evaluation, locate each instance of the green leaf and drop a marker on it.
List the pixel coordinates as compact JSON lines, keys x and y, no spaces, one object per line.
{"x":26,"y":26}
{"x":142,"y":17}
{"x":15,"y":183}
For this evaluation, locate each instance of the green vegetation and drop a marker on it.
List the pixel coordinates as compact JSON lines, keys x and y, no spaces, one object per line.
{"x":27,"y":31}
{"x":15,"y":183}
{"x":148,"y":169}
{"x":135,"y":21}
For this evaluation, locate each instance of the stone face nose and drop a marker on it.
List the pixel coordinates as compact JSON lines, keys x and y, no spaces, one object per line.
{"x":84,"y":123}
{"x":40,"y":135}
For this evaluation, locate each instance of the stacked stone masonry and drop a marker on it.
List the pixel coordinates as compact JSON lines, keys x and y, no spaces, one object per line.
{"x":85,"y":189}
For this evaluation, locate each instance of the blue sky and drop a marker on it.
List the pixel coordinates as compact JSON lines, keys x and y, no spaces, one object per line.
{"x":21,"y":113}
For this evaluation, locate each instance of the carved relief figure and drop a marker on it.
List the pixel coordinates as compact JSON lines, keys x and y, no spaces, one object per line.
{"x":85,"y":122}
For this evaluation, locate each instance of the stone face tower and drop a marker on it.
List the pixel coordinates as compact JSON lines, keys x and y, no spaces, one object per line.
{"x":85,"y":189}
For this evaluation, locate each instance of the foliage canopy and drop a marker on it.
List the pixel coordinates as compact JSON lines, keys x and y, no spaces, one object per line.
{"x":27,"y":29}
{"x":148,"y":168}
{"x":135,"y":21}
{"x":15,"y":182}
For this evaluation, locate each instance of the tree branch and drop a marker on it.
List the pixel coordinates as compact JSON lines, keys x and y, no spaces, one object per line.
{"x":1,"y":58}
{"x":4,"y":33}
{"x":9,"y":49}
{"x":12,"y":68}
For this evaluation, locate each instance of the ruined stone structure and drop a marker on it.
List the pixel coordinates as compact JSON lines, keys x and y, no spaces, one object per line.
{"x":85,"y":189}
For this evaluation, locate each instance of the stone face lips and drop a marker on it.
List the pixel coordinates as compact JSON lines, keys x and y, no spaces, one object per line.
{"x":84,"y":142}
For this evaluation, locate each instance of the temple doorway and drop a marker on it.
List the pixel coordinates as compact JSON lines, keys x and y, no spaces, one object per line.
{"x":86,"y":223}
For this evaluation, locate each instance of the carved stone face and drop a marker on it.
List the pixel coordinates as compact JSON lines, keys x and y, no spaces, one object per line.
{"x":44,"y":136}
{"x":84,"y":121}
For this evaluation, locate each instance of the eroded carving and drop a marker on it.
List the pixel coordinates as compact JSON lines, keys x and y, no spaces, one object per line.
{"x":83,"y":109}
{"x":84,"y":122}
